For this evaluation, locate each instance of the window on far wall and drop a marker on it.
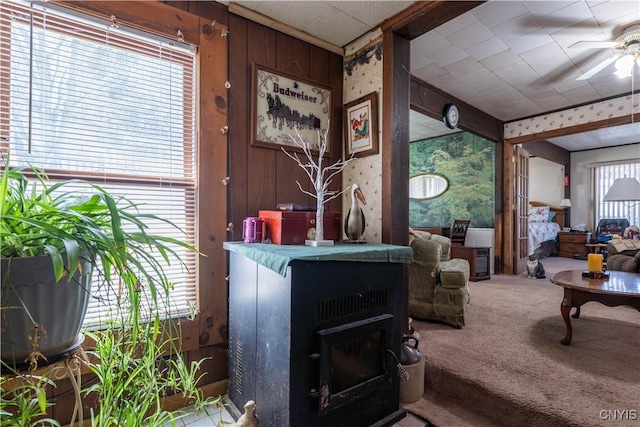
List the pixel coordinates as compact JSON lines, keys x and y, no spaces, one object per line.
{"x":84,"y":98}
{"x":604,"y":177}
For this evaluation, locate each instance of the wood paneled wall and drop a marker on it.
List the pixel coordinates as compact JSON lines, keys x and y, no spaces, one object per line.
{"x":263,"y":177}
{"x":259,"y":178}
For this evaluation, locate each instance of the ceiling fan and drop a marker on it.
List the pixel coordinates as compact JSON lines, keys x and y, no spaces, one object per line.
{"x":626,"y":51}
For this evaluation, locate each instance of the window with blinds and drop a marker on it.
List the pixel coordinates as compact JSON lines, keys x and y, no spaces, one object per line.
{"x":604,"y":177}
{"x":85,"y":98}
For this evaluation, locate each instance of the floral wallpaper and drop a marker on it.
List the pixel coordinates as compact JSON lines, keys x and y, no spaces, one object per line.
{"x":366,"y":171}
{"x":602,"y":110}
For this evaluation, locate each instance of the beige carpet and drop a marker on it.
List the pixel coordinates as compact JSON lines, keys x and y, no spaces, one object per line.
{"x":507,"y":366}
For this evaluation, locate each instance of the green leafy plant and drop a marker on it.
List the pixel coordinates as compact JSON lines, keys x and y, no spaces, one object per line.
{"x":24,"y":401}
{"x":132,"y":381}
{"x":71,"y":221}
{"x":138,"y":355}
{"x":39,"y":218}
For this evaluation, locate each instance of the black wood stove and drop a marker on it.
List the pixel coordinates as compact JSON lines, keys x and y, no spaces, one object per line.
{"x":313,"y":347}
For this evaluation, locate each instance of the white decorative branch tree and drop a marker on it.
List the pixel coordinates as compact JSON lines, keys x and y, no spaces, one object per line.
{"x":320,"y":177}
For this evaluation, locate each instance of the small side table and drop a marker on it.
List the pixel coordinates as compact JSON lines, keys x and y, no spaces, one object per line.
{"x":596,"y":248}
{"x":479,"y":260}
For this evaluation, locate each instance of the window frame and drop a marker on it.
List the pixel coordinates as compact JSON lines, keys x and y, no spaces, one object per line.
{"x":210,"y":325}
{"x":602,"y":209}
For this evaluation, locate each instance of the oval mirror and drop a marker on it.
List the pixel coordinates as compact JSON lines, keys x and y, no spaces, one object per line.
{"x":426,"y":186}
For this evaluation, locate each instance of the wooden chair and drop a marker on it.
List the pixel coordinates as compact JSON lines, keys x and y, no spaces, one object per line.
{"x":458,"y":232}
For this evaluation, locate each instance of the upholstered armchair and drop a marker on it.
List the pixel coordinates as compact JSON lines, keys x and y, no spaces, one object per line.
{"x":623,"y":255}
{"x":438,"y":286}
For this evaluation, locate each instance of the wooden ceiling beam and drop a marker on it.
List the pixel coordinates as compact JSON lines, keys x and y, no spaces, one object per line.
{"x":424,"y":16}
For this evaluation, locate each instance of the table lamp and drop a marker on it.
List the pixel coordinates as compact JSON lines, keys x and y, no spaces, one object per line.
{"x":623,"y":190}
{"x":565,"y":203}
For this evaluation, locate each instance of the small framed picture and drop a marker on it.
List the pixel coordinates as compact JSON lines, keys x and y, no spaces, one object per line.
{"x":361,"y":126}
{"x":566,"y":229}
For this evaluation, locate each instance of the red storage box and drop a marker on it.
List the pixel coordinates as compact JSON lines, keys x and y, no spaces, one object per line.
{"x":292,"y":227}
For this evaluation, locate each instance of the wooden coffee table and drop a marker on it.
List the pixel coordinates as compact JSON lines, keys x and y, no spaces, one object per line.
{"x":621,"y":288}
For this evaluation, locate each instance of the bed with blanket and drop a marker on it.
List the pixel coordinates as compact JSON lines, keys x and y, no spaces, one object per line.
{"x":544,"y":224}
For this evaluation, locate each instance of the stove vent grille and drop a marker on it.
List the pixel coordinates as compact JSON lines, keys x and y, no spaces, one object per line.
{"x":359,"y":303}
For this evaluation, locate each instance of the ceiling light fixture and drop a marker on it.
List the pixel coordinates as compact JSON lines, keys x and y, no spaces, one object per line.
{"x":630,"y":56}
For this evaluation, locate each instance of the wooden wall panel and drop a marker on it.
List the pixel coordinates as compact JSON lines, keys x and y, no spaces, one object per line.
{"x":292,"y":57}
{"x":395,"y":138}
{"x":269,"y":176}
{"x":260,"y":166}
{"x":239,"y":79}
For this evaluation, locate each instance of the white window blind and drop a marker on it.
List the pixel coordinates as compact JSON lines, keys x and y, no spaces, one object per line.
{"x":84,"y":98}
{"x":605,"y":175}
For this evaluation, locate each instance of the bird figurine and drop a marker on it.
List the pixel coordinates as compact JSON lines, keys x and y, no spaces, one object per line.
{"x":354,"y":222}
{"x":248,"y":419}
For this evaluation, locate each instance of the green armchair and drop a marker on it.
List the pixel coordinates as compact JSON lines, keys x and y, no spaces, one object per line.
{"x":438,"y":285}
{"x":623,"y":255}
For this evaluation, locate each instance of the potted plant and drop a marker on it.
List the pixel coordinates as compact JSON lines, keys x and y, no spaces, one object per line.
{"x":62,"y":236}
{"x":54,"y":239}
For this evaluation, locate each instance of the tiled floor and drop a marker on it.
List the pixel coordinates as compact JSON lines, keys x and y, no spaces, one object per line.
{"x":212,"y":417}
{"x":215,"y":416}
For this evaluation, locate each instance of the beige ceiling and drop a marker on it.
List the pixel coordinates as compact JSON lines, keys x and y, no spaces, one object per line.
{"x":510,"y":59}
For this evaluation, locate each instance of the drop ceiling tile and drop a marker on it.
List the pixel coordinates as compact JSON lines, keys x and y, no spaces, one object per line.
{"x":542,"y":94}
{"x":448,"y":56}
{"x":351,"y":8}
{"x":625,"y":11}
{"x":378,"y":11}
{"x":284,"y":12}
{"x":487,"y":48}
{"x":581,"y":94}
{"x":464,"y":66}
{"x":457,"y":24}
{"x":483,"y":79}
{"x":429,"y":72}
{"x":418,"y":62}
{"x":545,"y":59}
{"x":470,"y":35}
{"x":429,"y":44}
{"x":569,"y":84}
{"x":566,"y":16}
{"x":446,"y":82}
{"x":514,"y":28}
{"x":554,"y":102}
{"x":518,"y":74}
{"x":582,"y":31}
{"x":501,"y":60}
{"x":542,"y":8}
{"x":503,"y":91}
{"x":529,"y":41}
{"x":346,"y":28}
{"x":608,"y":87}
{"x":534,"y":86}
{"x":492,"y":13}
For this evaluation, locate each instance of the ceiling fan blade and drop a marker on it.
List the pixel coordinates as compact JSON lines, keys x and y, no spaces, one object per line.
{"x":595,"y":70}
{"x":593,"y":45}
